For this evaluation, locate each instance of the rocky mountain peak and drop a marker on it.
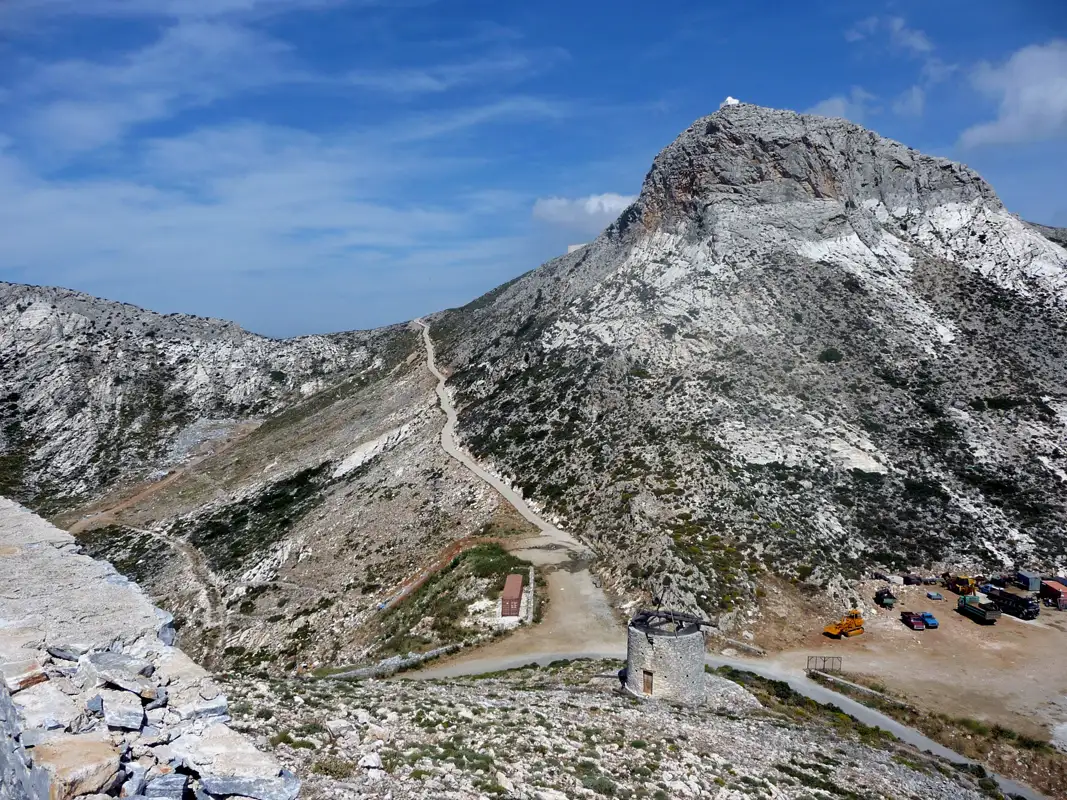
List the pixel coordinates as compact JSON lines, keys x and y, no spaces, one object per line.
{"x":747,"y":155}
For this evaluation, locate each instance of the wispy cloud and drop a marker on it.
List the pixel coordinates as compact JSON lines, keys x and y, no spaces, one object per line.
{"x":912,"y":40}
{"x":910,"y":102}
{"x":588,"y":215}
{"x":431,"y":126}
{"x":854,"y":106}
{"x":1030,"y":89}
{"x":19,"y":13}
{"x":907,"y":41}
{"x":445,"y":77}
{"x":79,"y":105}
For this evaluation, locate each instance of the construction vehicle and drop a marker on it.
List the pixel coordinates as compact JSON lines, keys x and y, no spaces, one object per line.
{"x":885,"y":598}
{"x":849,"y":625}
{"x":961,"y":584}
{"x":913,"y":620}
{"x":1016,"y":605}
{"x":971,"y":606}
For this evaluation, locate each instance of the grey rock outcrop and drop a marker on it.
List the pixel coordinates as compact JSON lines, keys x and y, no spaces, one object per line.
{"x":130,"y":711}
{"x":804,"y":347}
{"x":93,"y":391}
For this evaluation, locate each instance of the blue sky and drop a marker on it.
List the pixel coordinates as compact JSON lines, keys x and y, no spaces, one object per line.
{"x":314,"y":165}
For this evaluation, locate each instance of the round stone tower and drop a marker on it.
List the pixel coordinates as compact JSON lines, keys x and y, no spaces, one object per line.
{"x":665,"y":656}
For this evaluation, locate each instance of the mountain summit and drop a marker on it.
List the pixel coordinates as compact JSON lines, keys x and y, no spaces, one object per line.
{"x":804,"y":347}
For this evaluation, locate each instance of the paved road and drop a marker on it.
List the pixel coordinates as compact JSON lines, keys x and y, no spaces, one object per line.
{"x":578,"y":614}
{"x":798,"y":681}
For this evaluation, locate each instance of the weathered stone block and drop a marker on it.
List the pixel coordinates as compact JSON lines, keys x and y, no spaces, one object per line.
{"x":45,"y":706}
{"x":78,"y":765}
{"x":122,"y":709}
{"x":167,"y":787}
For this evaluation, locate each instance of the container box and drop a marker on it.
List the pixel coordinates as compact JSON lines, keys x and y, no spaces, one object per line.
{"x":511,"y":597}
{"x":1053,"y":590}
{"x":1028,"y":580}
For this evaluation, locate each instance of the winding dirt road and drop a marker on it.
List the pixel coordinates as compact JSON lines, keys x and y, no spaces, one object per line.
{"x":578,"y":616}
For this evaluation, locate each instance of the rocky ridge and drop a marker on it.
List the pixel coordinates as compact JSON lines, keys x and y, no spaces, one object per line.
{"x":93,"y":392}
{"x":804,"y":348}
{"x":564,"y":731}
{"x":95,"y":699}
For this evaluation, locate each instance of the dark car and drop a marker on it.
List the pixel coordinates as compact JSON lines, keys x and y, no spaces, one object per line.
{"x":913,"y":620}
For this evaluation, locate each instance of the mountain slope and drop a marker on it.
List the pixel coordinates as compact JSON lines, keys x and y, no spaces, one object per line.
{"x":93,"y":391}
{"x":804,"y":347}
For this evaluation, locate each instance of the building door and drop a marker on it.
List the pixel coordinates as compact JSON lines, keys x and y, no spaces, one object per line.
{"x":648,"y":682}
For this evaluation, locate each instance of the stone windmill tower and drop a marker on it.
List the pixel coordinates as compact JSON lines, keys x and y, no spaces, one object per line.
{"x":665,"y":656}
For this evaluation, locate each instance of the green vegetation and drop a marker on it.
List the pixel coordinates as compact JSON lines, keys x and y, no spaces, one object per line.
{"x":779,"y":696}
{"x":444,"y":598}
{"x":831,"y":355}
{"x":230,"y":534}
{"x":137,"y":556}
{"x":334,"y":767}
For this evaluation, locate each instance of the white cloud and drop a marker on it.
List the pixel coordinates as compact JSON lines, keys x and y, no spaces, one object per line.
{"x":910,"y":102}
{"x":230,"y":210}
{"x":445,"y":77}
{"x":911,"y":42}
{"x":588,"y":214}
{"x":854,"y":106}
{"x":78,"y":105}
{"x":910,"y":39}
{"x":862,"y":29}
{"x":1031,"y":91}
{"x":458,"y":120}
{"x":19,"y":13}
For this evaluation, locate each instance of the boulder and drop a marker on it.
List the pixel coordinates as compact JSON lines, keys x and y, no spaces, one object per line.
{"x":68,"y":651}
{"x":135,"y":780}
{"x":19,"y":675}
{"x":45,"y":706}
{"x":125,"y":672}
{"x":378,"y":732}
{"x":371,"y":761}
{"x":78,"y":765}
{"x":282,"y":787}
{"x":198,"y":709}
{"x":167,"y":787}
{"x":338,"y":727}
{"x":122,"y":709}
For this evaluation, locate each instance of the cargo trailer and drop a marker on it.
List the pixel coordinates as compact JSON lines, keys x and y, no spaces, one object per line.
{"x":1028,"y":580}
{"x":511,"y":597}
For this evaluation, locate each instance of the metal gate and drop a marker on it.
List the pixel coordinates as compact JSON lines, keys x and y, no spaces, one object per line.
{"x":824,"y":663}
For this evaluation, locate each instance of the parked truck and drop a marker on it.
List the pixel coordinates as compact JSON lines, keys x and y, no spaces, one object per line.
{"x":1016,"y":605}
{"x":885,"y":598}
{"x":984,"y":613}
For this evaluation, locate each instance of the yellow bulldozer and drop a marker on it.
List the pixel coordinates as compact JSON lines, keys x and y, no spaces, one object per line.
{"x":849,"y":625}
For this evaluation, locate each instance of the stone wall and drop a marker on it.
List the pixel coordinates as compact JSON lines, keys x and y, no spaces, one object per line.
{"x":95,"y":699}
{"x":19,"y":780}
{"x":676,"y":661}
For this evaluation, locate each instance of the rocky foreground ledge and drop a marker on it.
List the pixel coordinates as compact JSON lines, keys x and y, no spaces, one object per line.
{"x":95,"y":699}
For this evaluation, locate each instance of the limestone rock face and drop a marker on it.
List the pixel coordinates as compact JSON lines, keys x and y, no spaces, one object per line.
{"x":132,"y":714}
{"x":804,"y":347}
{"x":92,"y":391}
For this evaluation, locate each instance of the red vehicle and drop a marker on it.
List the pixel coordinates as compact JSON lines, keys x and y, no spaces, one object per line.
{"x":913,"y":620}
